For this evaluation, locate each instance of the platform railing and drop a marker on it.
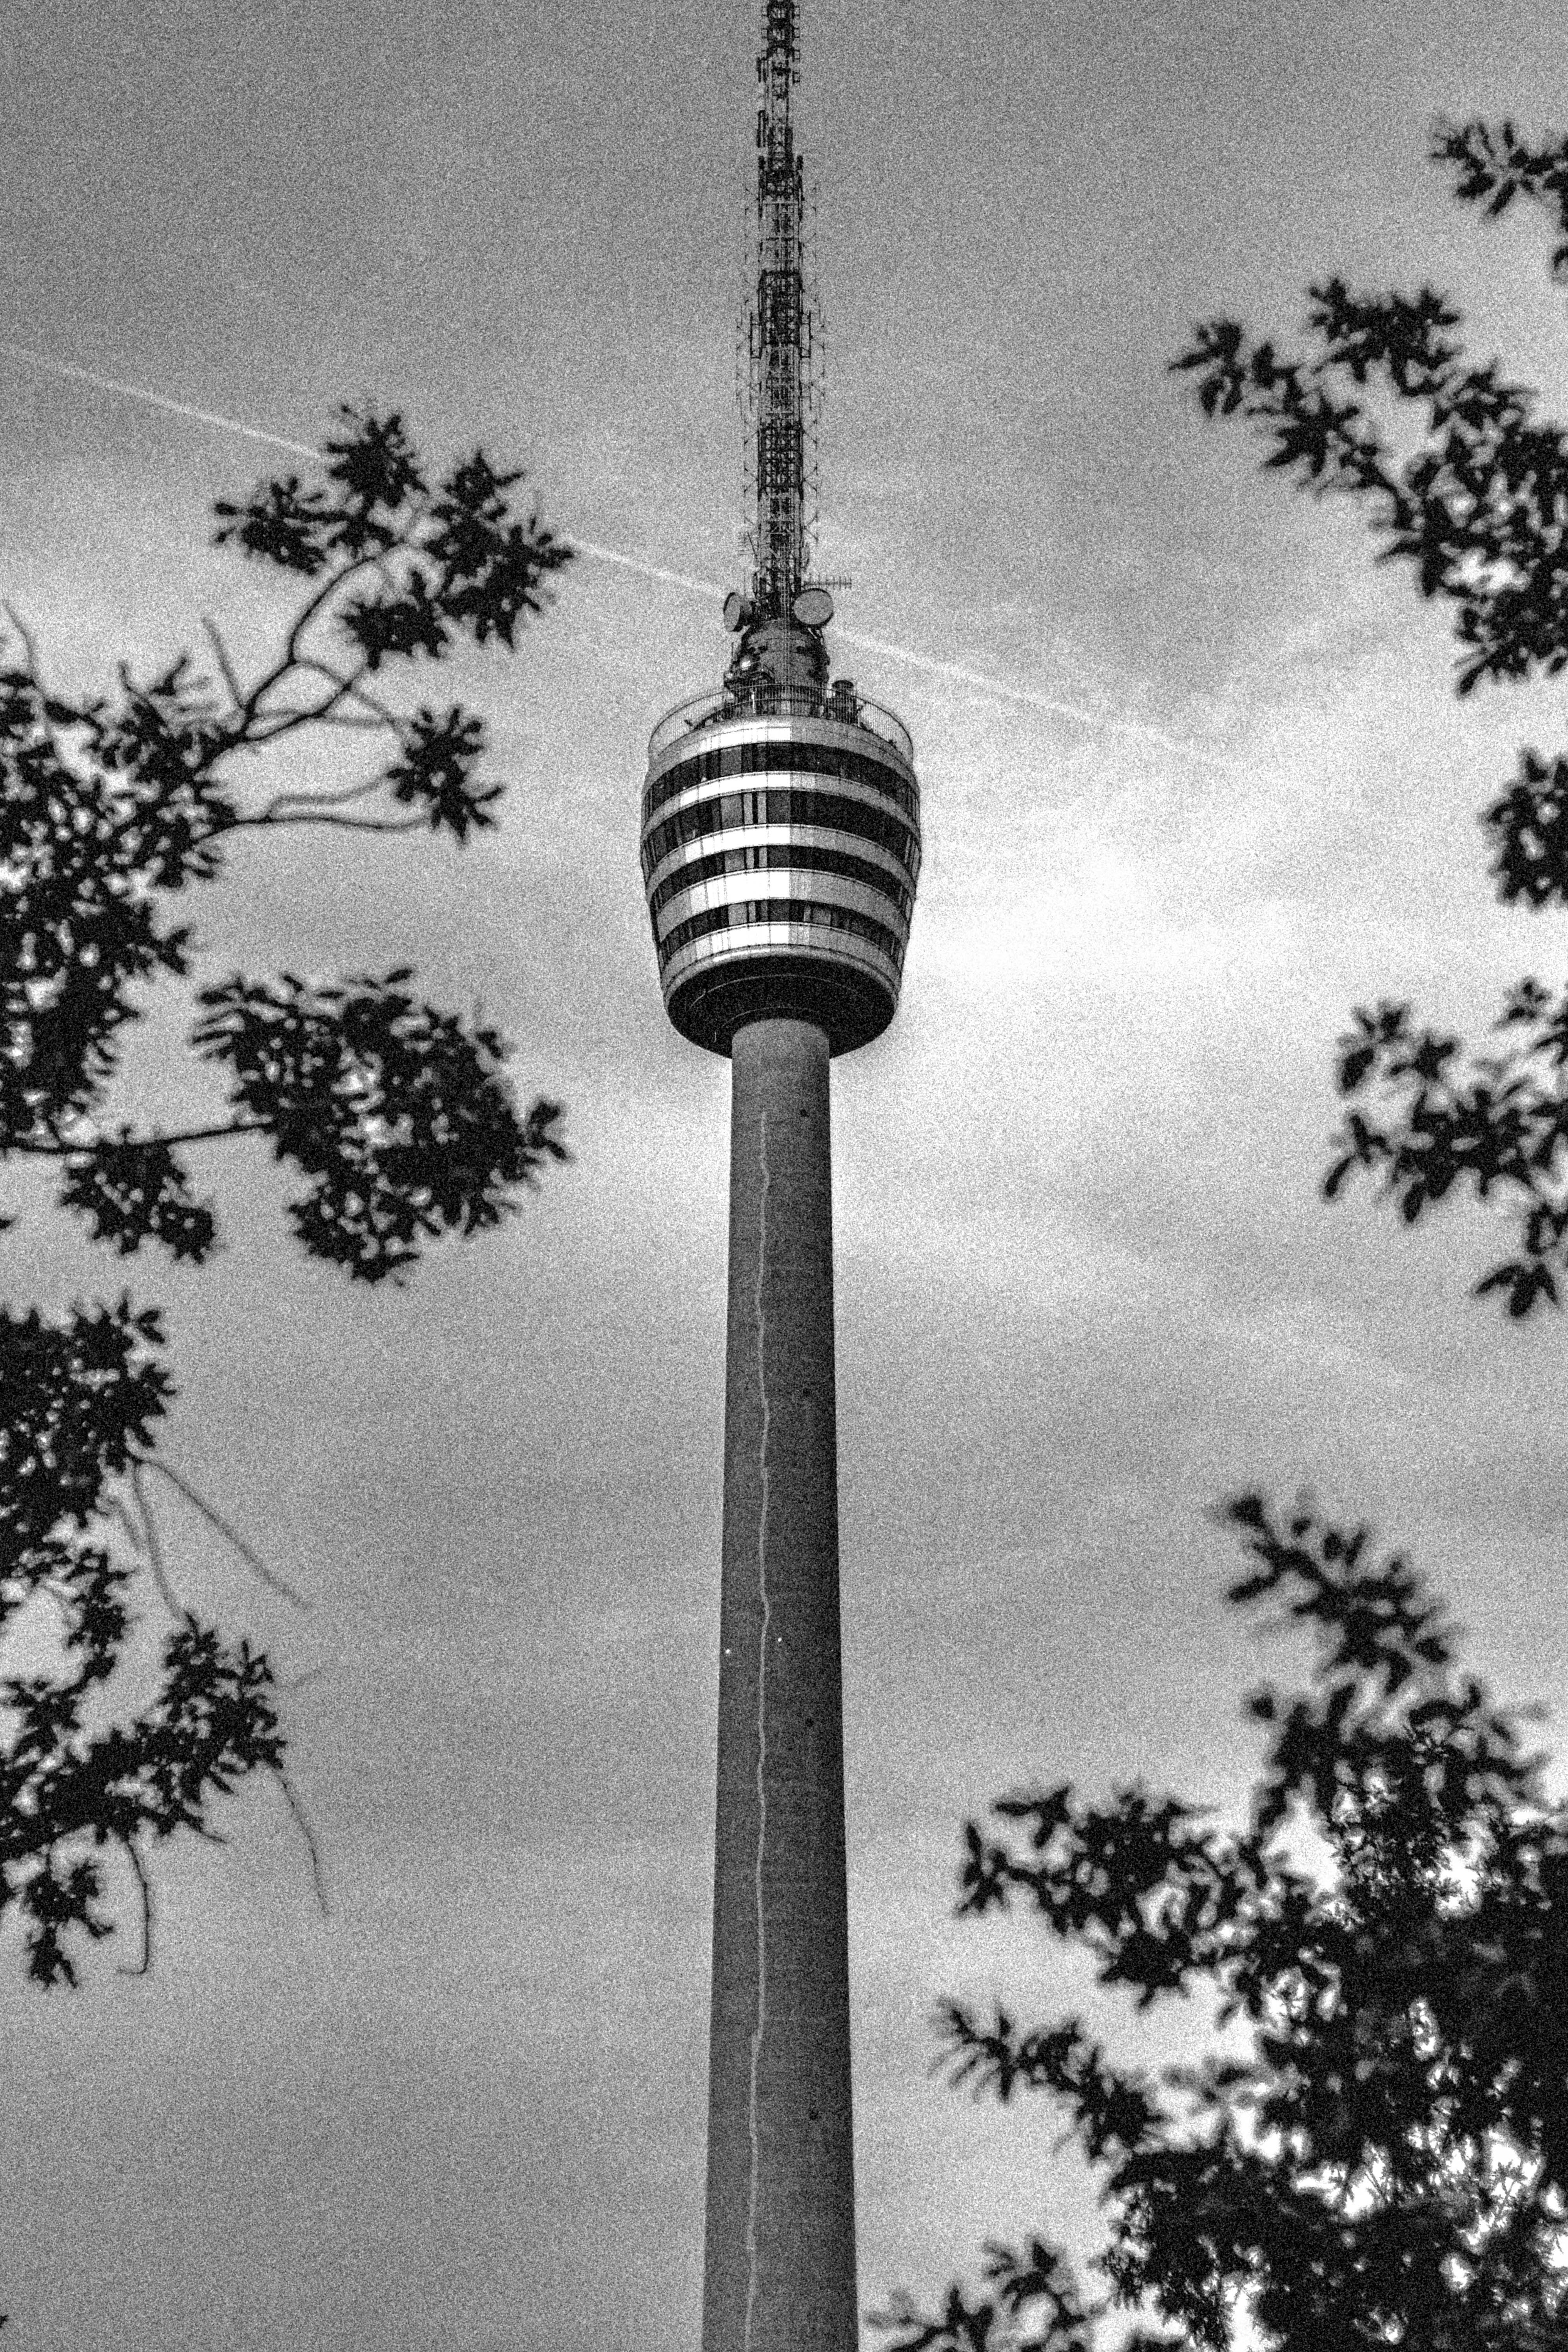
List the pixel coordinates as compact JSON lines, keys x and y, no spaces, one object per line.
{"x":766,"y":699}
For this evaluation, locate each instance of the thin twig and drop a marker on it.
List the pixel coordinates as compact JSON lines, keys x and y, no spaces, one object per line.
{"x":356,"y":688}
{"x":372,"y":715}
{"x":250,"y":708}
{"x":153,"y":1554}
{"x":134,"y":1534}
{"x":324,"y":800}
{"x":28,"y":647}
{"x":146,"y":1893}
{"x":223,"y":663}
{"x":36,"y":673}
{"x":266,"y":732}
{"x":302,"y":621}
{"x":302,"y":1824}
{"x":299,"y":715}
{"x":323,"y":816}
{"x":215,"y":1518}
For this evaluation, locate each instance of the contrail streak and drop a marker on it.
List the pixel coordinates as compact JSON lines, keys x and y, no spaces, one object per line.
{"x":648,"y":571}
{"x":954,"y":673}
{"x":1033,"y":699}
{"x":30,"y":358}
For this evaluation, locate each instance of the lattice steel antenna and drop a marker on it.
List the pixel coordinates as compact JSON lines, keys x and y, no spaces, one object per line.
{"x":781,"y":339}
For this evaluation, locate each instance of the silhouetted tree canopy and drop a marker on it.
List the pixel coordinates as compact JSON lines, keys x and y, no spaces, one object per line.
{"x":397,"y":1117}
{"x":1479,"y":511}
{"x":1370,"y":2149}
{"x":1374,"y":2150}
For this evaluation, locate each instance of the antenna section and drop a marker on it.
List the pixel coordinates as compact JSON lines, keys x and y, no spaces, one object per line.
{"x":779,"y":329}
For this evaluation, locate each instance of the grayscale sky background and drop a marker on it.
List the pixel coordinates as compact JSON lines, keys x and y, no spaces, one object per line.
{"x":1219,"y":792}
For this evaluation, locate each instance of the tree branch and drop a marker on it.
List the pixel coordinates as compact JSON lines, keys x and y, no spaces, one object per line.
{"x":359,"y":692}
{"x":231,"y":1536}
{"x":313,"y":606}
{"x":323,"y":713}
{"x":324,"y":800}
{"x":322,"y":816}
{"x":302,"y":1824}
{"x":36,"y":673}
{"x":151,"y":1550}
{"x":320,"y":716}
{"x":223,"y":663}
{"x":31,"y":1148}
{"x":145,"y":1892}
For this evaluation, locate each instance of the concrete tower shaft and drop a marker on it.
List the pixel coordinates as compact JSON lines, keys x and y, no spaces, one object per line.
{"x":780,"y":849}
{"x":779,"y":2274}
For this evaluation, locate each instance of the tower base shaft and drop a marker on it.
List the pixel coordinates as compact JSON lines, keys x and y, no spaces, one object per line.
{"x":779,"y":2269}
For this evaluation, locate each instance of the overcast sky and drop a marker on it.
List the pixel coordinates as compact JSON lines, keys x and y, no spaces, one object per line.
{"x":1085,"y":1285}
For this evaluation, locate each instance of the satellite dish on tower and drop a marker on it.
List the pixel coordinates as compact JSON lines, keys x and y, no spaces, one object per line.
{"x":813,"y":608}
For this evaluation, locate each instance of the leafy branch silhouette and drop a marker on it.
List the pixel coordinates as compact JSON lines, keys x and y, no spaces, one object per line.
{"x":399,"y":1115}
{"x":1478,"y":513}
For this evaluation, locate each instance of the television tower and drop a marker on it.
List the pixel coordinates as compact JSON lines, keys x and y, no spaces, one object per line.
{"x":780,"y":849}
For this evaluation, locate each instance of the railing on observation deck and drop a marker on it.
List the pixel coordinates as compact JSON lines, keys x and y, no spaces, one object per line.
{"x":765,"y":699}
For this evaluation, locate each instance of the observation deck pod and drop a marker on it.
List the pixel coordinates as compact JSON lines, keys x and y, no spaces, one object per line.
{"x":781,"y":847}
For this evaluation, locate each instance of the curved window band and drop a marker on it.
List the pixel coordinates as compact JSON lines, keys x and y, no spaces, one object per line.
{"x":779,"y":805}
{"x":776,"y":856}
{"x":782,"y":758}
{"x":751,"y":912}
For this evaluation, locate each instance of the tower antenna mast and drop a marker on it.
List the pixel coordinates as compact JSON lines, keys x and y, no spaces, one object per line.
{"x":779,"y":328}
